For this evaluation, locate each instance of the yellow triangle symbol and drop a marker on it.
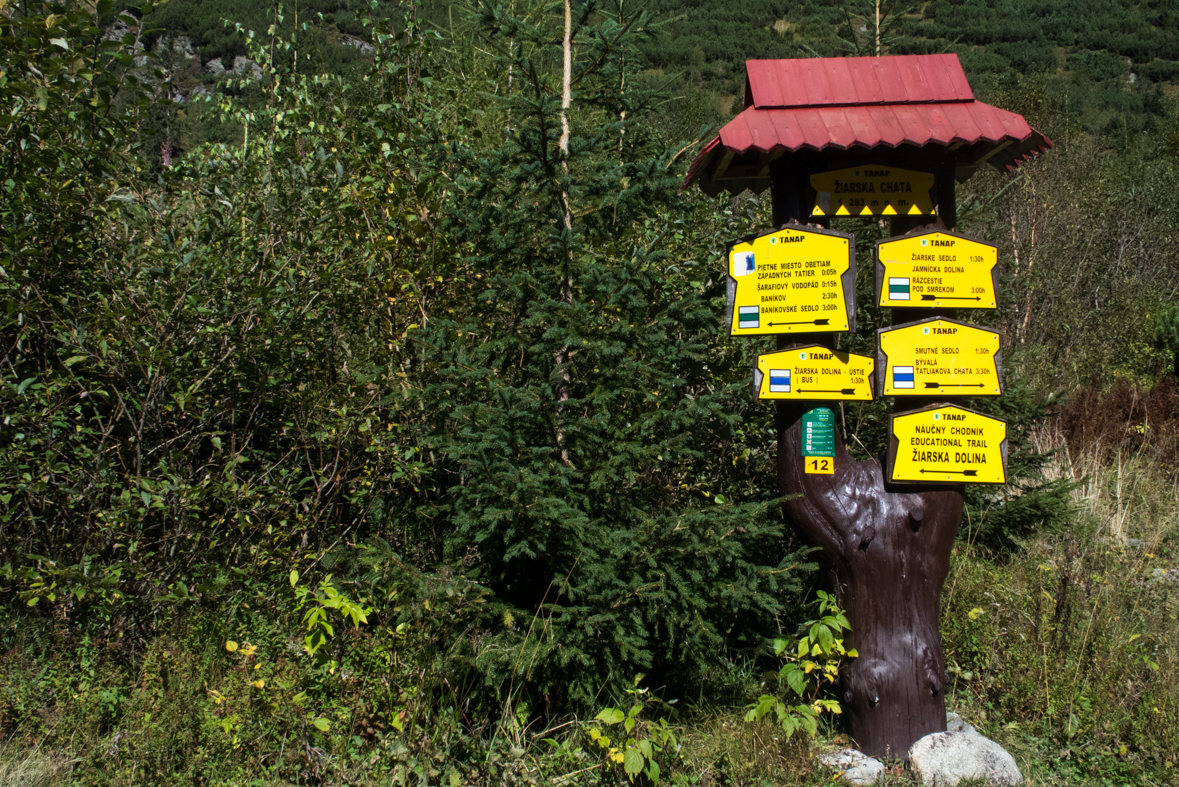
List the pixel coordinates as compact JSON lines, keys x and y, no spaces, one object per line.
{"x":843,"y":211}
{"x":914,"y":211}
{"x":889,"y":210}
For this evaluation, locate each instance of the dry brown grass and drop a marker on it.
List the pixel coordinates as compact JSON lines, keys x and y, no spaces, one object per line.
{"x":726,"y":750}
{"x":33,"y":767}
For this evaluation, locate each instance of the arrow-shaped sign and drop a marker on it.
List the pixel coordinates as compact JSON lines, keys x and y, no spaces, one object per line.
{"x":955,"y":385}
{"x":823,"y":321}
{"x":949,"y":298}
{"x":951,"y":472}
{"x":844,"y":391}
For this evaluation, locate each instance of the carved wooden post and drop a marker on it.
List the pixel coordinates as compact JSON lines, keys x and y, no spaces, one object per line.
{"x":886,"y":546}
{"x":889,"y":552}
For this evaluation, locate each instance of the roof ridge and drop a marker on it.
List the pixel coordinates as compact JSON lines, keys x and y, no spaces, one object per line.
{"x":855,"y":81}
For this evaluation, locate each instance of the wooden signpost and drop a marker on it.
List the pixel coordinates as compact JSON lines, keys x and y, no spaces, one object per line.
{"x":824,"y":136}
{"x":885,"y":532}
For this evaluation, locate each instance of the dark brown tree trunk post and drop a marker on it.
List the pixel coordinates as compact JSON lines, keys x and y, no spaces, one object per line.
{"x":887,"y":548}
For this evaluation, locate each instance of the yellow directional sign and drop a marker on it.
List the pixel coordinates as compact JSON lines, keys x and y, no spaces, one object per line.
{"x":936,"y":269}
{"x":872,"y":191}
{"x":937,"y":356}
{"x":813,"y":373}
{"x":792,"y":280}
{"x":947,"y":444}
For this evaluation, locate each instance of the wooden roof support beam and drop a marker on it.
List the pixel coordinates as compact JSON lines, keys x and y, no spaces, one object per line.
{"x":774,"y":156}
{"x":982,"y":159}
{"x":719,"y":172}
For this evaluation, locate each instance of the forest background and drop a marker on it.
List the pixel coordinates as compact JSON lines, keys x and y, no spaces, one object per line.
{"x":366,"y":416}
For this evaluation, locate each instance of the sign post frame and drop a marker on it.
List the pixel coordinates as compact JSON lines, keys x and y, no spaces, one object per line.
{"x":910,"y":525}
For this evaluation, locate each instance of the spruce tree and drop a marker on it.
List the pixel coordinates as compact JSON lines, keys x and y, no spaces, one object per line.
{"x":575,"y":412}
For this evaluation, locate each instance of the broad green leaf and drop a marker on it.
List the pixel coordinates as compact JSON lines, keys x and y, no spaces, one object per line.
{"x":632,"y":763}
{"x":610,"y":716}
{"x":826,"y":639}
{"x":322,"y":724}
{"x":796,"y":680}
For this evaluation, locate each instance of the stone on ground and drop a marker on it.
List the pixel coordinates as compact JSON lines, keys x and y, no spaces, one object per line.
{"x":943,"y":759}
{"x":858,"y":769}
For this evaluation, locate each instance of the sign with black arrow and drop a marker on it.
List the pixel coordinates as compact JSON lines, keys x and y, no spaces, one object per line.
{"x":943,"y":444}
{"x":813,"y":373}
{"x":936,"y":270}
{"x":792,"y":280}
{"x":938,"y":356}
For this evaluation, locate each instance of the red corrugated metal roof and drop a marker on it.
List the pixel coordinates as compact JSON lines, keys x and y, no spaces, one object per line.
{"x":859,"y":81}
{"x":861,"y":102}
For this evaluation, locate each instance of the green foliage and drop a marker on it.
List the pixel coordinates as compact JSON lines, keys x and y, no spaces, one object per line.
{"x":502,"y":458}
{"x":1166,"y":334}
{"x":642,"y":741}
{"x":1002,"y":519}
{"x":1098,"y":66}
{"x":278,"y":355}
{"x":868,"y":25}
{"x":575,"y":396}
{"x":810,"y":664}
{"x":321,"y":28}
{"x":203,"y":368}
{"x":1069,"y":645}
{"x":317,"y":603}
{"x":66,"y":111}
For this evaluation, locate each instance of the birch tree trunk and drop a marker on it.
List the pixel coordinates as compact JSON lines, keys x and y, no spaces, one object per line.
{"x":562,"y":357}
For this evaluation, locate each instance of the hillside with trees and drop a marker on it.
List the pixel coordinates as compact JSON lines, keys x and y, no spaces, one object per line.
{"x":366,"y":414}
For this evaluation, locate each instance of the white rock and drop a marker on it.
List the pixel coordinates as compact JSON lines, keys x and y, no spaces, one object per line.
{"x":116,"y":31}
{"x":945,"y":758}
{"x":246,"y":67}
{"x":858,"y":769}
{"x":364,"y":46}
{"x":215,"y":66}
{"x":954,"y":723}
{"x":181,"y":45}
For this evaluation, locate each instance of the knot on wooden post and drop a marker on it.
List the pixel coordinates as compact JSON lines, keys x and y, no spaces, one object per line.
{"x":916,"y":514}
{"x":866,"y":536}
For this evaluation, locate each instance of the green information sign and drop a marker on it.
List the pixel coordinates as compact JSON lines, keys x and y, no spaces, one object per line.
{"x":818,"y":432}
